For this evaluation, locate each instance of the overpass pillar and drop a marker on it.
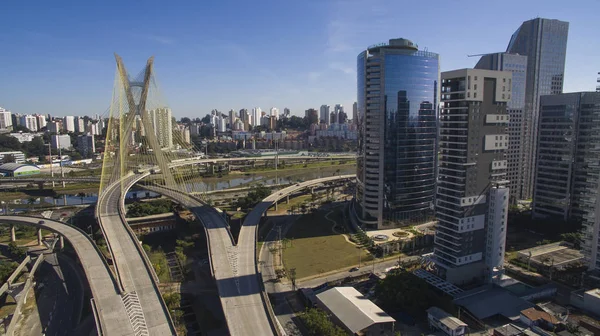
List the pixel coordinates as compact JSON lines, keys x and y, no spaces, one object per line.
{"x":275,"y":205}
{"x":287,"y":199}
{"x":39,"y":236}
{"x":13,"y":236}
{"x":61,"y":242}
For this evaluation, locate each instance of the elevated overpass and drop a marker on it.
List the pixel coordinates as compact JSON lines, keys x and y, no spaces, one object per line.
{"x":107,"y":303}
{"x":239,"y":288}
{"x":136,"y":277}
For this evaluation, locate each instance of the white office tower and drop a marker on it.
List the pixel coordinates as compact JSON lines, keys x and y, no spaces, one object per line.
{"x":324,"y":114}
{"x":29,"y":121}
{"x":221,"y":123}
{"x":338,"y":108}
{"x":5,"y":119}
{"x":256,"y":114}
{"x":162,"y":122}
{"x":275,"y":112}
{"x":69,"y":123}
{"x":79,"y":124}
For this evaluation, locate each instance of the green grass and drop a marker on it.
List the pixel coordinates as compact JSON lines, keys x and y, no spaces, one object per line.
{"x":159,"y":262}
{"x":316,"y":249}
{"x":296,"y":201}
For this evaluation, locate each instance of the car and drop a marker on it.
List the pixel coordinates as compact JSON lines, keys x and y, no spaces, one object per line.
{"x":297,"y":184}
{"x":280,"y":193}
{"x":354,"y":269}
{"x":41,"y":222}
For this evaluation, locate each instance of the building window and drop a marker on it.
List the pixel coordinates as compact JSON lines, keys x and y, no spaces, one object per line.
{"x":474,"y":86}
{"x":474,"y":94}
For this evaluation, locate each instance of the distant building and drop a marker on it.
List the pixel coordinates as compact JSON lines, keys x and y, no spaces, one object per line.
{"x":275,"y":112}
{"x":544,"y":42}
{"x":25,"y":137}
{"x":232,"y":118}
{"x":69,"y":124}
{"x":287,"y":113}
{"x":41,"y":121}
{"x":355,"y":113}
{"x":324,"y":114}
{"x":18,"y":156}
{"x":53,"y":126}
{"x":85,"y":145}
{"x":5,"y":119}
{"x":440,"y":320}
{"x":339,"y":108}
{"x":79,"y":124}
{"x":60,"y":141}
{"x":356,"y":314}
{"x":162,"y":122}
{"x":18,"y":169}
{"x":312,"y":115}
{"x":29,"y":121}
{"x":256,"y":115}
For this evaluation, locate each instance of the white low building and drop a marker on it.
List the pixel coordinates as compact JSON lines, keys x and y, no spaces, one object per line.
{"x":355,"y":313}
{"x":443,"y":321}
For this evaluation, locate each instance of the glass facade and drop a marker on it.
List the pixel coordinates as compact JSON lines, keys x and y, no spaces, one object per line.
{"x":397,"y":97}
{"x":544,"y":42}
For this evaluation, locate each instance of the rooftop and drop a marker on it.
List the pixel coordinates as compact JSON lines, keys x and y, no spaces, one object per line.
{"x":534,"y":315}
{"x":445,"y":318}
{"x":352,"y":308}
{"x":14,"y":166}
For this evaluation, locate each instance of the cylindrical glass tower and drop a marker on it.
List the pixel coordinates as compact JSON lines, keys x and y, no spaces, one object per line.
{"x":397,"y":96}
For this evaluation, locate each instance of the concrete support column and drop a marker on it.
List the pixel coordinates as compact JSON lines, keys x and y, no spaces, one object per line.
{"x":275,"y":205}
{"x":13,"y":237}
{"x":61,"y":242}
{"x":287,"y":199}
{"x":39,"y":236}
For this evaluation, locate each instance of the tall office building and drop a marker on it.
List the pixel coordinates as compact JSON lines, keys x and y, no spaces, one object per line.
{"x":517,"y":156}
{"x":162,"y":122}
{"x":29,"y":121}
{"x":256,"y":115}
{"x":69,"y":124}
{"x":324,"y":114}
{"x":245,"y":118}
{"x":472,"y":197}
{"x":396,"y":166}
{"x":544,"y":42}
{"x":5,"y":119}
{"x":355,"y":113}
{"x":567,"y":178}
{"x":275,"y":112}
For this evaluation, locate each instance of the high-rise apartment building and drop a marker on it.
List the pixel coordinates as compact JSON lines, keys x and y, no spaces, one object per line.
{"x":29,"y":121}
{"x":396,"y":166}
{"x":256,"y":115}
{"x":60,"y":141}
{"x":86,"y":145}
{"x":287,"y":113}
{"x":5,"y":119}
{"x":232,"y":118}
{"x":41,"y":121}
{"x":324,"y":114}
{"x":544,"y":42}
{"x":517,"y":156}
{"x":312,"y":116}
{"x":79,"y":124}
{"x":567,"y":177}
{"x":69,"y":124}
{"x":355,"y":113}
{"x":338,"y":109}
{"x":472,"y":197}
{"x":53,"y":126}
{"x":162,"y":123}
{"x":275,"y":112}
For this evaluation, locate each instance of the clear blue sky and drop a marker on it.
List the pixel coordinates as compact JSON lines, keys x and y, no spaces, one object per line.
{"x":57,"y":56}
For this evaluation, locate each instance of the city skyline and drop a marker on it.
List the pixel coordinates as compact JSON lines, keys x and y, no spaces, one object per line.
{"x":297,"y":65}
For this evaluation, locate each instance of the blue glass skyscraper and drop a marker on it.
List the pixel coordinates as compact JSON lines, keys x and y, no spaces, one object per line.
{"x":397,"y":97}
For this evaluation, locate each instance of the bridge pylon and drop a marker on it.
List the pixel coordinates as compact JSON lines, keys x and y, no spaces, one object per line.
{"x":139,"y":134}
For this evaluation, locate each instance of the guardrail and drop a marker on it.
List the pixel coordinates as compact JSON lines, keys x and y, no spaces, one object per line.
{"x":108,"y":245}
{"x":140,"y":249}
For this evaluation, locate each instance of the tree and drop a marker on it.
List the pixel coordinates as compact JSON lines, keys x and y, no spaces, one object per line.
{"x":206,"y":119}
{"x":81,"y":196}
{"x":15,"y":251}
{"x":317,"y":322}
{"x":292,"y":276}
{"x":21,"y":128}
{"x":8,"y":158}
{"x":186,"y":120}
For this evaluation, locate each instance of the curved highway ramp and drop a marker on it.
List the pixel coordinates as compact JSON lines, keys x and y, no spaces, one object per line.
{"x":108,"y":305}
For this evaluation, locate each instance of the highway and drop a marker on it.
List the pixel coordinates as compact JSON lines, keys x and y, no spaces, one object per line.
{"x":108,"y":304}
{"x":145,"y":307}
{"x":239,"y":289}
